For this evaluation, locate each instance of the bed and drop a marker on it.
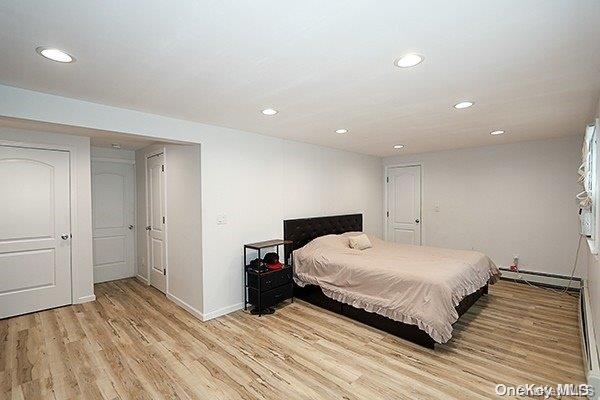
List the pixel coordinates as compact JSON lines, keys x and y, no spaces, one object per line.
{"x":413,"y":292}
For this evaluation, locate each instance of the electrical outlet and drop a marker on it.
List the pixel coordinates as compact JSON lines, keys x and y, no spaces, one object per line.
{"x":221,"y":219}
{"x":515,"y":264}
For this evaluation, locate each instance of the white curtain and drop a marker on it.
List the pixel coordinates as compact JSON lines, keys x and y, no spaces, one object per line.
{"x":585,"y":170}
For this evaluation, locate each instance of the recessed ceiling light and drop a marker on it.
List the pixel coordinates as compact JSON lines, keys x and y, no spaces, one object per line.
{"x":409,"y":60}
{"x":269,"y":111}
{"x":498,"y":132}
{"x":341,"y":131}
{"x":399,"y":146}
{"x":55,"y":54}
{"x":463,"y":104}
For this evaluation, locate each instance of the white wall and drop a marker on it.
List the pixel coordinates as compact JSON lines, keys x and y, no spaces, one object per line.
{"x":184,"y":222}
{"x":323,"y":181}
{"x":119,"y":154}
{"x":184,"y":225}
{"x":257,"y":182}
{"x":81,"y":243}
{"x":503,"y":200}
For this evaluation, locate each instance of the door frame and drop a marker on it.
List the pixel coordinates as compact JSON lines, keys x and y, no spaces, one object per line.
{"x":386,"y":170}
{"x":77,"y":240}
{"x":147,"y":155}
{"x":135,"y":201}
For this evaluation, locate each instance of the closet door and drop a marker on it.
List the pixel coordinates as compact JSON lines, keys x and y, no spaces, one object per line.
{"x":404,"y":205}
{"x":35,"y":237}
{"x":157,"y":248}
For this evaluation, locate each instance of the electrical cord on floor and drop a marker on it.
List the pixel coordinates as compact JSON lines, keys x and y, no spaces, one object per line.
{"x":566,"y":289}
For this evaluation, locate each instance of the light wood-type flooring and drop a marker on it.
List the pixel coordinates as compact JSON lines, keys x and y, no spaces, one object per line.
{"x":132,"y":343}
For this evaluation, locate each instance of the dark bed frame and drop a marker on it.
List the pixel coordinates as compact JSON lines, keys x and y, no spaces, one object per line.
{"x":302,"y":231}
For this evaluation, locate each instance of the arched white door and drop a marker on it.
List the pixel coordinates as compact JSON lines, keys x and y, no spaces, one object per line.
{"x":113,"y":204}
{"x":404,"y":205}
{"x":35,"y":234}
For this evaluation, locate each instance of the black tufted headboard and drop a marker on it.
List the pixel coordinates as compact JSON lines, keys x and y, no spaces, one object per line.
{"x":303,"y":230}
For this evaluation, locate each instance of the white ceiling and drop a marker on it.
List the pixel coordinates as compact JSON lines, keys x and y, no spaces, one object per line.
{"x":532,"y":67}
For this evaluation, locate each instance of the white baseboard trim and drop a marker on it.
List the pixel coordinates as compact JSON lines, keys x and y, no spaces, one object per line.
{"x":86,"y":299}
{"x":142,"y":279}
{"x":194,"y":311}
{"x":223,"y":311}
{"x":111,"y":278}
{"x":553,"y":280}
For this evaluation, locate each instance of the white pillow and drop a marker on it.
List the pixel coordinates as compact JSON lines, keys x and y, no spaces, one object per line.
{"x":359,"y":242}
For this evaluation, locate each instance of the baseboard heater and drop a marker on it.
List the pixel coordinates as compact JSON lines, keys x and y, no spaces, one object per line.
{"x":588,"y":342}
{"x":540,"y":278}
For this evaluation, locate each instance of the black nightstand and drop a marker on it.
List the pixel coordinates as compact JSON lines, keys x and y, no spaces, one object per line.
{"x":267,"y":289}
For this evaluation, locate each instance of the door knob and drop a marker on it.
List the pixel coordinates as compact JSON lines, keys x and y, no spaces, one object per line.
{"x":148,"y":228}
{"x":64,"y":237}
{"x":130,"y":227}
{"x":417,"y":220}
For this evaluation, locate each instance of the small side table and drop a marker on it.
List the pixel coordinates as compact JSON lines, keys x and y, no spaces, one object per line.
{"x":266,"y":289}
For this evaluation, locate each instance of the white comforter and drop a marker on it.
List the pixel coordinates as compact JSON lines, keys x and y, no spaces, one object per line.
{"x":413,"y":284}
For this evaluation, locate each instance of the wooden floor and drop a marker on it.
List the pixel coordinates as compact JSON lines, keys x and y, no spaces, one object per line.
{"x":132,"y":343}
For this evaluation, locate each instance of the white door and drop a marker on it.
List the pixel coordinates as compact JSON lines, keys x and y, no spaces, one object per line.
{"x":155,"y":177}
{"x":404,"y":205}
{"x":113,"y":200}
{"x":35,"y":241}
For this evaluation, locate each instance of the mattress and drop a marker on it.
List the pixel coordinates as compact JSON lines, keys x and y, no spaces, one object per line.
{"x":416,"y":285}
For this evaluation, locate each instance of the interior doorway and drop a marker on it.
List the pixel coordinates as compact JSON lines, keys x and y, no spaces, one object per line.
{"x":113,"y":218}
{"x":75,"y":198}
{"x":128,"y":189}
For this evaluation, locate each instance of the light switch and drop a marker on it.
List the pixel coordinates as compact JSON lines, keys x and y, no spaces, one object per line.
{"x":436,"y":206}
{"x":222,"y":219}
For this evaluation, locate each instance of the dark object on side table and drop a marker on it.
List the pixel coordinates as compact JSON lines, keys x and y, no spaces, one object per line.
{"x":264,"y":288}
{"x":258,"y":265}
{"x":272,"y":261}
